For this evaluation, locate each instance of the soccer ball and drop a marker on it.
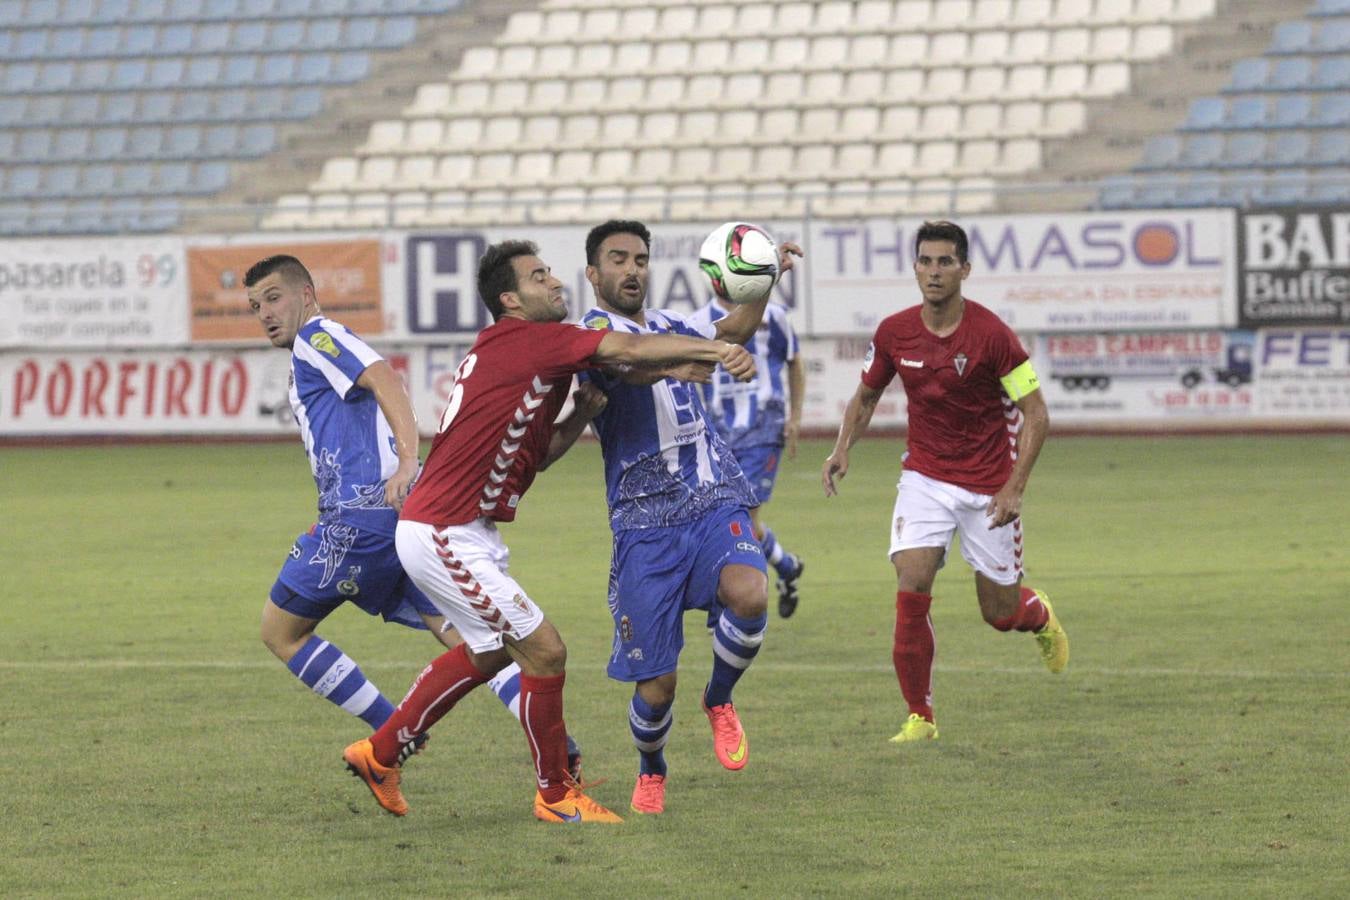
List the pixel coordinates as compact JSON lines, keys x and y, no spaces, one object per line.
{"x":741,"y":261}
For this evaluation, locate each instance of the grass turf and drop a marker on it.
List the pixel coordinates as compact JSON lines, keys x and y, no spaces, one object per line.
{"x":1195,"y":747}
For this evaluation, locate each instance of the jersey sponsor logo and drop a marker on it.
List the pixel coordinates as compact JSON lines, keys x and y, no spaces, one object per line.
{"x":599,"y":323}
{"x":323,"y":342}
{"x":747,"y":547}
{"x":295,"y":551}
{"x":960,"y":361}
{"x":911,"y":363}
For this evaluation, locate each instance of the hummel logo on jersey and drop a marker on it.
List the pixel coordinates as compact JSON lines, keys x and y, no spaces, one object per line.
{"x":911,"y":363}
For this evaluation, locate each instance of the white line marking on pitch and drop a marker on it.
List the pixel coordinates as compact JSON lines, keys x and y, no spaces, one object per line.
{"x":63,"y":665}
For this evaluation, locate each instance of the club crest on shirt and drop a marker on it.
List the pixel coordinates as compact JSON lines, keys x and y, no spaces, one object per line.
{"x":960,"y":360}
{"x":323,"y":342}
{"x":519,"y":601}
{"x":625,"y":629}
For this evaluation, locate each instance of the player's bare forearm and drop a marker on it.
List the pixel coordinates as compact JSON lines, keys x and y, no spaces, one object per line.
{"x":857,"y":416}
{"x":698,"y":373}
{"x":739,"y":325}
{"x":588,"y":401}
{"x":387,"y":386}
{"x":673,"y":349}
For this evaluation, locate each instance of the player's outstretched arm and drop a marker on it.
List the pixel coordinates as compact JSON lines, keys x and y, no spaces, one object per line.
{"x":381,"y":380}
{"x":739,"y":325}
{"x":697,"y":373}
{"x":857,"y":416}
{"x":617,"y":348}
{"x":1006,"y":505}
{"x":588,"y":401}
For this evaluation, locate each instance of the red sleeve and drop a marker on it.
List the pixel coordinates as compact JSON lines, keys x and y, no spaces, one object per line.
{"x":562,"y":349}
{"x":878,"y":369}
{"x":1005,"y":349}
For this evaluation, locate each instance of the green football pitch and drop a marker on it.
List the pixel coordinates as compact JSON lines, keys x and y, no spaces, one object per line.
{"x":1196,"y":746}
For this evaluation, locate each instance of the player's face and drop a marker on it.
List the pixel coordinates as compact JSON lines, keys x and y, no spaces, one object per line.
{"x":282,"y":307}
{"x":939,"y":271}
{"x":538,"y":293}
{"x":619,"y":275}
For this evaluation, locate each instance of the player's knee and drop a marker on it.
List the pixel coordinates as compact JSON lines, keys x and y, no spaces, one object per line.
{"x":746,"y":595}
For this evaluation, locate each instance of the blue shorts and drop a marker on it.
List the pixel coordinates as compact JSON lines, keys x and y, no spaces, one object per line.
{"x":760,"y":465}
{"x":336,"y":564}
{"x":658,"y":573}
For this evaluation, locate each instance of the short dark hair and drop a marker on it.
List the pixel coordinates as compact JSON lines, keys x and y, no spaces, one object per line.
{"x":497,"y":275}
{"x":290,"y":268}
{"x":943,"y":230}
{"x":613,"y":226}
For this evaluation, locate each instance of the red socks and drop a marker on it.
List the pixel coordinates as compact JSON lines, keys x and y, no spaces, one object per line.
{"x":449,"y":677}
{"x":913,"y":651}
{"x":1031,"y":614}
{"x":541,"y":715}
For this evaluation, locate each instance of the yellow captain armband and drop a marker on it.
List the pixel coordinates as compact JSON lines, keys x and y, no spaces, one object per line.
{"x":1020,"y":381}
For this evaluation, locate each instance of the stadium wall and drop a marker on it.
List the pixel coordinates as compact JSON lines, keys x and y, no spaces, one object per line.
{"x":1138,"y":320}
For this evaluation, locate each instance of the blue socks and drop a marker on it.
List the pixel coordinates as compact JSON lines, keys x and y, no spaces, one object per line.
{"x":651,"y":727}
{"x":332,"y":674}
{"x":735,"y":644}
{"x":783,"y":563}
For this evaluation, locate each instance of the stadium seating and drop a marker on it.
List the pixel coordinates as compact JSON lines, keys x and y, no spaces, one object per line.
{"x":150,"y":102}
{"x":1279,"y":132}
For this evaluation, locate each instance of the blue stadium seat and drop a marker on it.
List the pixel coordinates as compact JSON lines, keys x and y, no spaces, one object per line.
{"x":397,"y":31}
{"x":12,"y":110}
{"x":314,"y":68}
{"x":221,"y":140}
{"x":103,"y":41}
{"x":1330,"y":148}
{"x":149,"y":10}
{"x":1200,"y":191}
{"x":72,"y":143}
{"x":112,"y":10}
{"x":1249,"y":75}
{"x":1290,"y":148}
{"x":360,"y":33}
{"x":20,"y":78}
{"x":80,"y":109}
{"x":144,"y":142}
{"x":1292,"y":37}
{"x":7,"y":141}
{"x":323,"y":34}
{"x":351,"y":67}
{"x":35,"y":145}
{"x":61,"y":181}
{"x":129,"y":73}
{"x":86,"y":216}
{"x":1282,"y":188}
{"x":1332,"y":7}
{"x":1333,"y":109}
{"x":182,"y":141}
{"x":11,"y":10}
{"x":47,"y":109}
{"x":1161,"y":152}
{"x":42,"y":12}
{"x":1291,"y":111}
{"x":1294,"y":74}
{"x":66,"y":42}
{"x":157,"y":106}
{"x":229,"y":9}
{"x":1202,"y":150}
{"x":204,"y":71}
{"x":172,"y":178}
{"x":57,"y":76}
{"x":29,"y":43}
{"x":79,"y":11}
{"x":1333,"y":36}
{"x":1206,"y":112}
{"x":98,"y":179}
{"x":1246,"y":112}
{"x":248,"y":37}
{"x":240,"y":70}
{"x":186,"y":9}
{"x":211,"y":177}
{"x":305,"y":102}
{"x":1327,"y":193}
{"x":135,"y":179}
{"x":24,"y":181}
{"x":137,"y":40}
{"x":233,"y":104}
{"x":108,"y":143}
{"x":267,"y":103}
{"x":96,"y":75}
{"x":174,"y":39}
{"x":168,"y":73}
{"x":1332,"y":73}
{"x":119,"y":108}
{"x":211,"y":37}
{"x":256,"y":140}
{"x":286,"y":35}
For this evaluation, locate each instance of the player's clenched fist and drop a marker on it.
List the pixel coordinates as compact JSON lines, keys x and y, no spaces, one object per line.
{"x":737,"y":361}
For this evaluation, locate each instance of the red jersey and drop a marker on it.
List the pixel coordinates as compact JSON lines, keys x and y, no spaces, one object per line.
{"x":962,"y":425}
{"x":498,"y":420}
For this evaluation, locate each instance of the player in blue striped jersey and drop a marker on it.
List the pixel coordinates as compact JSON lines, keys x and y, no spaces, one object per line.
{"x":360,"y":434}
{"x":759,"y":419}
{"x":678,"y":507}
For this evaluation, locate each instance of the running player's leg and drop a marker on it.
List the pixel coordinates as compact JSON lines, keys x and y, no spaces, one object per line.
{"x":741,"y":589}
{"x":760,"y":465}
{"x":922,"y":527}
{"x":307,"y":589}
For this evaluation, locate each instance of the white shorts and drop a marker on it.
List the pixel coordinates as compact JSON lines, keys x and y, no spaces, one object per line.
{"x":928,"y":512}
{"x":462,"y":569}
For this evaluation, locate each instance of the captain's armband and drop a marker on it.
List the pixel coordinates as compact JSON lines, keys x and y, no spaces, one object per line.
{"x":1021,"y":381}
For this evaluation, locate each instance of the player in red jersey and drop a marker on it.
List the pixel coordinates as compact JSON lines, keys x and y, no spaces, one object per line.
{"x":977,"y":421}
{"x":496,"y":434}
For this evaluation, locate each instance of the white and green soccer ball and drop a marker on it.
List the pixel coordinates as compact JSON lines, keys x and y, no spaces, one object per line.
{"x":741,"y":261}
